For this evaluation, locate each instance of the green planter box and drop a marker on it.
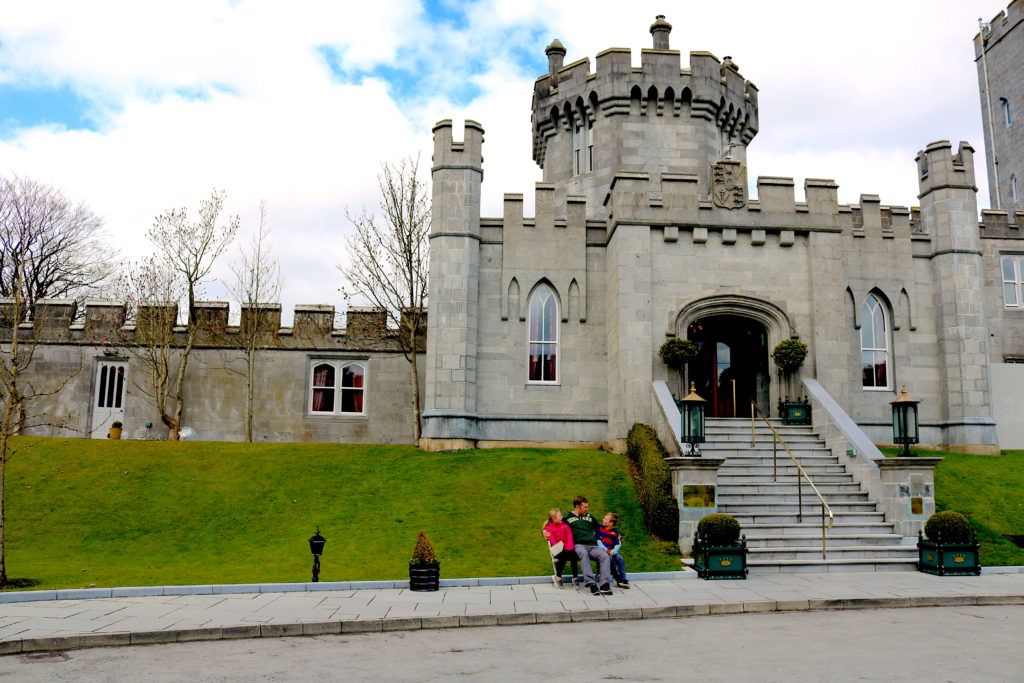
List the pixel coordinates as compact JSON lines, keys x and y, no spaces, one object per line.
{"x":795,"y":412}
{"x":425,"y":577}
{"x":720,"y":561}
{"x":948,"y":559}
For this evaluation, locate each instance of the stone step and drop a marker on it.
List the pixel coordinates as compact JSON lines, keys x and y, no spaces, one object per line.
{"x":737,"y":437}
{"x":786,"y":487}
{"x":881,"y":564}
{"x":814,"y":540}
{"x":740,"y":478}
{"x":782,"y":507}
{"x":766,"y":454}
{"x":858,"y":552}
{"x":730,"y":499}
{"x":747,"y":518}
{"x":788,"y":470}
{"x":809,"y":528}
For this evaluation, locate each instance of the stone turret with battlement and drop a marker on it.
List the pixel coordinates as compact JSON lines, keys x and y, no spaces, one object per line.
{"x":659,"y":118}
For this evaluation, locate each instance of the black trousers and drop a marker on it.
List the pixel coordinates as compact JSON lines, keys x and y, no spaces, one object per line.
{"x":567,"y":556}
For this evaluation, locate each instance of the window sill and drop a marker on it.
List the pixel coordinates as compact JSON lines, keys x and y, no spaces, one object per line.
{"x":354,"y":417}
{"x":877,"y":389}
{"x":543,"y":384}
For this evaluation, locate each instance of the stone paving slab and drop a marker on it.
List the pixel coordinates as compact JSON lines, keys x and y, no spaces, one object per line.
{"x":153,"y":616}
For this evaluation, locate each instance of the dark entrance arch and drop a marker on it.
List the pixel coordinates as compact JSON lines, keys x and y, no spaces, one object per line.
{"x":731,"y":367}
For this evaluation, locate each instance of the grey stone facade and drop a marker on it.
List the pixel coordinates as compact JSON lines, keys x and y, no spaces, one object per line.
{"x":999,"y":54}
{"x":644,"y":230}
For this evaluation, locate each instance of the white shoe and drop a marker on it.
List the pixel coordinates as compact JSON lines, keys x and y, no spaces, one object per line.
{"x":557,"y":581}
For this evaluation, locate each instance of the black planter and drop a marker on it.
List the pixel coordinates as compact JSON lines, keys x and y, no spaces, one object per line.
{"x":425,"y":577}
{"x":795,"y":412}
{"x":720,"y":561}
{"x":948,"y":559}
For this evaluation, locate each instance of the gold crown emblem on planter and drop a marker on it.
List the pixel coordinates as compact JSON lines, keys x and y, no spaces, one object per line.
{"x":726,"y":562}
{"x":929,"y":557}
{"x":959,"y":558}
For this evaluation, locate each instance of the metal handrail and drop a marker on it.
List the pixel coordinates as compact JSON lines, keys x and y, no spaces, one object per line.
{"x":800,"y":472}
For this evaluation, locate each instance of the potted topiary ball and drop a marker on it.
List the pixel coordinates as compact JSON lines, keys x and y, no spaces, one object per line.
{"x":115,"y":430}
{"x":719,"y":552}
{"x":676,"y":353}
{"x":424,"y":569}
{"x":789,"y":355}
{"x":949,"y":546}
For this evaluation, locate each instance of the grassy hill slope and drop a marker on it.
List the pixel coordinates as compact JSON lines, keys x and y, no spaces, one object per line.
{"x":112,"y":513}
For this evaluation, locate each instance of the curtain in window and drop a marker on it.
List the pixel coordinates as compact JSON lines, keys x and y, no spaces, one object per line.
{"x":323,"y":392}
{"x":352,"y":389}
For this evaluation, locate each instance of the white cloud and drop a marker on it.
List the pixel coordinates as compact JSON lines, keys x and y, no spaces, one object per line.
{"x":236,"y":95}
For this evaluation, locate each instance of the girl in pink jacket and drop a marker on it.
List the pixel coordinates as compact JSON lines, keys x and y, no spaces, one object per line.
{"x":557,"y":531}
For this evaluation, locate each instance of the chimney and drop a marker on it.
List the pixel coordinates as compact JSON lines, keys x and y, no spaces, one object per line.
{"x":660,"y":30}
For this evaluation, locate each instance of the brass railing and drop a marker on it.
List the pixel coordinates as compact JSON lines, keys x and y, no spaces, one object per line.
{"x":801,"y":474}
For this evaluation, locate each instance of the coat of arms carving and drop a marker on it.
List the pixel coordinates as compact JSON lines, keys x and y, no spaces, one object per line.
{"x":728,"y":186}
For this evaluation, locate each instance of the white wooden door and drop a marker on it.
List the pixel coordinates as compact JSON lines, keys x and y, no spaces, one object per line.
{"x":108,"y":396}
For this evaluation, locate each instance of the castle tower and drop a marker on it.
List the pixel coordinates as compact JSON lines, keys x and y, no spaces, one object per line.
{"x":449,"y":414}
{"x":659,"y":118}
{"x":949,"y":212}
{"x":999,"y":53}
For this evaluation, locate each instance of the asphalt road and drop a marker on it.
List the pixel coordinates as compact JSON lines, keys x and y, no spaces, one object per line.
{"x":923,"y":644}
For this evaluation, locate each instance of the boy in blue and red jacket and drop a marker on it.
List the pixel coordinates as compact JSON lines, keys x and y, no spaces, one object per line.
{"x":610,"y":541}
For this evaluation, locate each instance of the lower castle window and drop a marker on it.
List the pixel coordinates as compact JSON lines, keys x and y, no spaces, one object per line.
{"x":337,"y":387}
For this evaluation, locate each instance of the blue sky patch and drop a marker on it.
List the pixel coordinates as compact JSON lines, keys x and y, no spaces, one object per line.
{"x":445,"y":12}
{"x":22,"y":107}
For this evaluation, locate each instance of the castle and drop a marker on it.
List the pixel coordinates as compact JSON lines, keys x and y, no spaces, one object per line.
{"x":546,"y":329}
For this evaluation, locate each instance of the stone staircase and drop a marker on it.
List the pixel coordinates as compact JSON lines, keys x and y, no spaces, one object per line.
{"x":777,"y":541}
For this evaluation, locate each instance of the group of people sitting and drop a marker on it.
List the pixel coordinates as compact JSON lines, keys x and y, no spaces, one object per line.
{"x":578,"y":538}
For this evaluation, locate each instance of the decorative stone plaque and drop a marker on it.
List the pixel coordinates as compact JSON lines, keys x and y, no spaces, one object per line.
{"x":728,"y":189}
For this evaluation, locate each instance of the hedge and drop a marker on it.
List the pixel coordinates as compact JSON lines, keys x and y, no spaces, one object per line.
{"x":653,"y":482}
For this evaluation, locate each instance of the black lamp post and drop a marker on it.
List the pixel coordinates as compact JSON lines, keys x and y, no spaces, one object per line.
{"x":316,"y":546}
{"x":904,"y":421}
{"x":692,"y":414}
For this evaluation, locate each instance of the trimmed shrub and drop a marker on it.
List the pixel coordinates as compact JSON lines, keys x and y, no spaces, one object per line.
{"x":948,"y":527}
{"x":653,"y":482}
{"x":423,"y":553}
{"x":719,"y":529}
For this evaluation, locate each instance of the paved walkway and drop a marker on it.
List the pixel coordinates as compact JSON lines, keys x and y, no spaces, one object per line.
{"x":44,"y":625}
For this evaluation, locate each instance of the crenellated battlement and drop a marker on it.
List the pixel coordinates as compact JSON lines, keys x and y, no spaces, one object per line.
{"x":708,"y":90}
{"x":998,"y":27}
{"x":104,"y":322}
{"x":449,"y":153}
{"x":938,"y":168}
{"x":1000,"y":224}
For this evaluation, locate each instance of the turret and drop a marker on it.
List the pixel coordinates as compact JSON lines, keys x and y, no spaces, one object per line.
{"x":659,"y":118}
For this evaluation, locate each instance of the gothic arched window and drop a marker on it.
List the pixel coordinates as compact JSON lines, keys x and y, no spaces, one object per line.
{"x":874,"y":344}
{"x":543,"y":324}
{"x":328,"y":396}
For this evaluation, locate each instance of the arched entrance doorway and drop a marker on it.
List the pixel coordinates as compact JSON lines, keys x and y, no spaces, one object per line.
{"x":731,"y":367}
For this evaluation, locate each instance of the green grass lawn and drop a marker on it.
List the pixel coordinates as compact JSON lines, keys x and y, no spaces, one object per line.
{"x":84,"y":512}
{"x":989,"y":490}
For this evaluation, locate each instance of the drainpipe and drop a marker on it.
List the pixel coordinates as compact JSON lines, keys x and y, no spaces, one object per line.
{"x":984,"y":30}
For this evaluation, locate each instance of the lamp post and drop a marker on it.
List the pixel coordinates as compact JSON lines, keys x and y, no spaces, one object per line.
{"x":692,"y":415}
{"x":904,"y":421}
{"x":316,"y":546}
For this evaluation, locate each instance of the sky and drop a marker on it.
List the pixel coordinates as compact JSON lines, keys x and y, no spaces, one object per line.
{"x":136,"y":108}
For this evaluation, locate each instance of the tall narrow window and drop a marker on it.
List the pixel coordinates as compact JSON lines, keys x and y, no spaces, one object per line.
{"x":352,"y":389}
{"x":590,"y":145}
{"x":1013,"y":281}
{"x":1014,"y":197}
{"x":1007,"y":114}
{"x":874,"y":344}
{"x":323,"y":388}
{"x":577,"y":148}
{"x":543,"y":335}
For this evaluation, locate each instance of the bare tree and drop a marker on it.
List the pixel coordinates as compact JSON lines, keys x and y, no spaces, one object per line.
{"x":185,"y":254}
{"x":50,"y":247}
{"x":17,"y":352}
{"x":390,"y":259}
{"x":256,"y":286}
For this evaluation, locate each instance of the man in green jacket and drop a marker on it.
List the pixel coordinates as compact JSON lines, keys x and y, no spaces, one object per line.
{"x":584,"y":537}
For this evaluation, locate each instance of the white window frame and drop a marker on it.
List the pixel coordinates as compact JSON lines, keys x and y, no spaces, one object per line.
{"x":1013,"y":281}
{"x":590,"y":145}
{"x":577,"y":148}
{"x":1007,"y":112}
{"x":582,"y":145}
{"x":542,"y":290}
{"x":339,"y":365}
{"x":868,"y":318}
